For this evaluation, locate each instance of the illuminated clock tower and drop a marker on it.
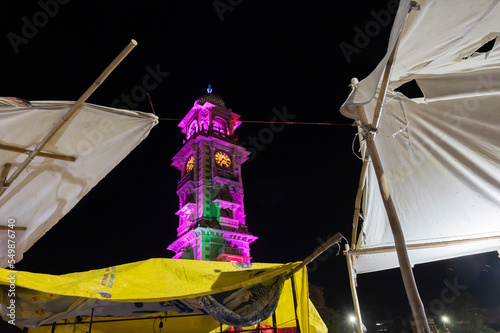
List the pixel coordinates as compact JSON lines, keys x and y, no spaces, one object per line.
{"x":211,"y":209}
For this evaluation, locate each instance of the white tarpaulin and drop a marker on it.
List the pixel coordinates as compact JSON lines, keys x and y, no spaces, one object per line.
{"x":98,"y":137}
{"x":440,"y":153}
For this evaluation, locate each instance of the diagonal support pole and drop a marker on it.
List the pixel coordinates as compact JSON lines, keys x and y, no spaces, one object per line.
{"x":416,"y":305}
{"x":323,"y":247}
{"x":68,"y":115}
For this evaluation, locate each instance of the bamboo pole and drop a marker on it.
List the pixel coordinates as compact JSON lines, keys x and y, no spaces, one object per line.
{"x":68,"y":114}
{"x":388,"y":70}
{"x":5,"y":172}
{"x":41,"y":154}
{"x":384,"y":86}
{"x":399,"y":240}
{"x":386,"y":249}
{"x":357,"y":205}
{"x":325,"y":246}
{"x":5,"y":227}
{"x":354,"y":292}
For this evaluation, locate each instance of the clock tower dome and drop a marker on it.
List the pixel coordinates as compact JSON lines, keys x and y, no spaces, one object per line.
{"x":211,"y":209}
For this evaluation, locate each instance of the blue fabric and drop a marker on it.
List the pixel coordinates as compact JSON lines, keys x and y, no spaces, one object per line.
{"x":251,"y":304}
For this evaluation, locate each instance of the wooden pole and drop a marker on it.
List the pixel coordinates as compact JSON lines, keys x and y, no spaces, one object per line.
{"x":384,"y":86}
{"x":6,"y":227}
{"x":386,"y":249}
{"x":325,"y":246}
{"x":41,"y":154}
{"x":5,"y":172}
{"x":416,"y":305}
{"x":388,"y":70}
{"x":68,"y":114}
{"x":354,"y":292}
{"x":357,"y":205}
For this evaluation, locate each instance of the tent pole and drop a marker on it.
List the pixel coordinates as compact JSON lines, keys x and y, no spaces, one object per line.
{"x":386,"y":249}
{"x":416,"y":305}
{"x":295,"y":304}
{"x":354,"y":292}
{"x":91,"y":319}
{"x":68,"y":115}
{"x":5,"y":172}
{"x":275,"y":327}
{"x":388,"y":69}
{"x":323,"y":247}
{"x":357,"y":205}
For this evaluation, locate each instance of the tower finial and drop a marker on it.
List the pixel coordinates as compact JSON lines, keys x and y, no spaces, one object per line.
{"x":209,"y":89}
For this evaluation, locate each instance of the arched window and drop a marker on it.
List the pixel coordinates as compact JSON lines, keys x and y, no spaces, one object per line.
{"x":219,"y":125}
{"x":193,"y":128}
{"x":226,"y":213}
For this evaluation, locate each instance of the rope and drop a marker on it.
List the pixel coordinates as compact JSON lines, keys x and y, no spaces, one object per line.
{"x":364,"y":129}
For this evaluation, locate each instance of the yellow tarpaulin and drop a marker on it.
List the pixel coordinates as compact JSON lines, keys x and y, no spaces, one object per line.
{"x":136,"y":284}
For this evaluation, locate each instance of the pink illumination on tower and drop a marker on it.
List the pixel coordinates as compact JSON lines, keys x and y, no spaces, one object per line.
{"x":211,"y":208}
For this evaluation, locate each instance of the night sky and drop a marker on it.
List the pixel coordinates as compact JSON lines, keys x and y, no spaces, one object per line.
{"x":261,"y":58}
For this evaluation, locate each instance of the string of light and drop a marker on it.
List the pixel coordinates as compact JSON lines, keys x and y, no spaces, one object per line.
{"x":275,"y":122}
{"x":259,"y":121}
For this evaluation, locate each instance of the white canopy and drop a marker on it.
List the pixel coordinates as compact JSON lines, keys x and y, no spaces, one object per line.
{"x":440,"y":153}
{"x":98,"y":137}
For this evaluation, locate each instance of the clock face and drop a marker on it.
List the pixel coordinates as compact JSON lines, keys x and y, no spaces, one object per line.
{"x":222,"y":159}
{"x":190,"y":164}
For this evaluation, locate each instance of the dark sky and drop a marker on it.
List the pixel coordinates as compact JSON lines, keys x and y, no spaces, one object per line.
{"x":258,"y":56}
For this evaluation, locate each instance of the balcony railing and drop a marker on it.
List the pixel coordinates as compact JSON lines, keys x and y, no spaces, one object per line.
{"x":184,"y":180}
{"x":228,"y":174}
{"x":215,"y":133}
{"x":230,"y":250}
{"x":226,"y":221}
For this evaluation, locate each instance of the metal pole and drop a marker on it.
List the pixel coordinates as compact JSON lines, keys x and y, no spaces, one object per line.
{"x":295,"y":304}
{"x":416,"y":305}
{"x":275,"y":327}
{"x":325,"y":246}
{"x":91,"y":318}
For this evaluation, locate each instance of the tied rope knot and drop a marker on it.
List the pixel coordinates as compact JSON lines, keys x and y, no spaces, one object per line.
{"x":365,"y":128}
{"x":354,"y":83}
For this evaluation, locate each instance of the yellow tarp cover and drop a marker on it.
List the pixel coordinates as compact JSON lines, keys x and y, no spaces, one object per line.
{"x":158,"y":280}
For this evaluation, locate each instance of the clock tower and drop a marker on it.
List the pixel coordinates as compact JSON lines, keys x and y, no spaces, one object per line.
{"x":211,"y":209}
